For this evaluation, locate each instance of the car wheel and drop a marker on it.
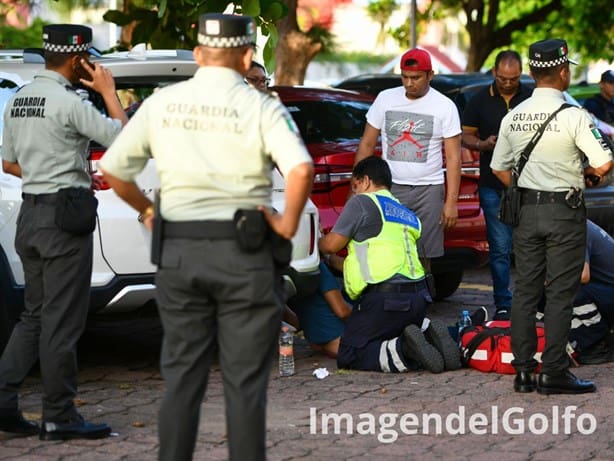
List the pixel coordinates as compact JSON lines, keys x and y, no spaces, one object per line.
{"x":446,"y":283}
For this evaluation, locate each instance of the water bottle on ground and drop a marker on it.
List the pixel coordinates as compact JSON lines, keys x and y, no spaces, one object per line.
{"x":286,"y":352}
{"x":464,"y":322}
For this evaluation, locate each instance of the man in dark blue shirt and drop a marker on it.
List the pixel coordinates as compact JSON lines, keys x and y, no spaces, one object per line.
{"x":601,"y":105}
{"x":481,"y":120}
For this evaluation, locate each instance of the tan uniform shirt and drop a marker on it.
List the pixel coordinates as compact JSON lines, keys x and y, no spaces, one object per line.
{"x":214,"y":139}
{"x":47,"y":129}
{"x":555,"y":164}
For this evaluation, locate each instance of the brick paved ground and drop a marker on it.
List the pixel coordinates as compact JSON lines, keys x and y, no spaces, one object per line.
{"x":121,"y":385}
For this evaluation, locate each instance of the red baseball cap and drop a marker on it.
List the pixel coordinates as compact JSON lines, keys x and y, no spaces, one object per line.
{"x":416,"y":59}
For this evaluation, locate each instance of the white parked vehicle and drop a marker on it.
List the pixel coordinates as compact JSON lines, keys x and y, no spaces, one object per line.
{"x":122,"y":276}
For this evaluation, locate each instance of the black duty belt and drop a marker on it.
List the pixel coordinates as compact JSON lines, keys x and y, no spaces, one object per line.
{"x":47,"y":199}
{"x":540,"y":197}
{"x":199,"y":229}
{"x":389,"y":287}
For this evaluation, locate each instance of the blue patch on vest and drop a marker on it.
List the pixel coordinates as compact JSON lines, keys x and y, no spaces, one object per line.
{"x":393,"y":211}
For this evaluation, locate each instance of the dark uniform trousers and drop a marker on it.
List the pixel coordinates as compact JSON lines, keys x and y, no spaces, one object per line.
{"x":376,"y":318}
{"x":549,"y":245}
{"x":212,"y":295}
{"x":57,"y":268}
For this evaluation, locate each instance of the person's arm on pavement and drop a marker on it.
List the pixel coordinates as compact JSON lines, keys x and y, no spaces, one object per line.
{"x":298,"y":188}
{"x":337,"y":303}
{"x":452,"y":147}
{"x":586,"y":274}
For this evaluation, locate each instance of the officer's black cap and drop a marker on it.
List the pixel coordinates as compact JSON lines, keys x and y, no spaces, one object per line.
{"x":67,"y":38}
{"x":218,"y":30}
{"x":549,"y":53}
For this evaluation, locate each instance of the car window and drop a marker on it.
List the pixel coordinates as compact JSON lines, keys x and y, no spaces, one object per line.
{"x":329,"y":121}
{"x":7,"y":89}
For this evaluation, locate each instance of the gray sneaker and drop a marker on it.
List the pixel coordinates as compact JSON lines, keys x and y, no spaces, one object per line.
{"x":438,"y":335}
{"x":417,"y":348}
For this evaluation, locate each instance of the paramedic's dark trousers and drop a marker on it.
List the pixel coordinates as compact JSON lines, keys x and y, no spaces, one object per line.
{"x":210,"y":293}
{"x":371,"y":338}
{"x":57,"y":268}
{"x":549,"y":245}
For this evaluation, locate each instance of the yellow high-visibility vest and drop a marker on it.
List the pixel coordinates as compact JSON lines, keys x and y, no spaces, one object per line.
{"x":392,"y":251}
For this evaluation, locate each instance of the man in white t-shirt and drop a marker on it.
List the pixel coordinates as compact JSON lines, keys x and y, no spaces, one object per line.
{"x":415,"y":122}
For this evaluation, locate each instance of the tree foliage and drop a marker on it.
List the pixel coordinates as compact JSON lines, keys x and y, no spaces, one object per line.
{"x":174,"y":23}
{"x":380,"y":12}
{"x":587,"y":25}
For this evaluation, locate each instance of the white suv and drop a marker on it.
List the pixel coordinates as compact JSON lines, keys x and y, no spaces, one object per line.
{"x":122,"y":276}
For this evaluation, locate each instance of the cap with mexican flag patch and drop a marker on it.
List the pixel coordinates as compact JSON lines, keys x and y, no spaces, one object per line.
{"x":66,"y":38}
{"x":549,"y":53}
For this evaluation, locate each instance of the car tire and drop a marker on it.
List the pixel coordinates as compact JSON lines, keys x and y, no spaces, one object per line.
{"x":446,"y":283}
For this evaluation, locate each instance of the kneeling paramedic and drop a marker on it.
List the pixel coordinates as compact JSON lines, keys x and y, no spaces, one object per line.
{"x":383,"y":273}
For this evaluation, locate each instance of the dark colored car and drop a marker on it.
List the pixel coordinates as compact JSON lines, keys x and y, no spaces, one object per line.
{"x":331,"y":123}
{"x":461,"y":87}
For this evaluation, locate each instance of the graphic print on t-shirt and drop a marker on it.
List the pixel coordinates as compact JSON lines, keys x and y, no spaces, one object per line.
{"x":408,"y":136}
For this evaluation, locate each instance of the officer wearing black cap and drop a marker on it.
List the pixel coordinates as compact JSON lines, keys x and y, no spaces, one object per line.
{"x":550,"y":238}
{"x":47,"y":128}
{"x":217,"y":287}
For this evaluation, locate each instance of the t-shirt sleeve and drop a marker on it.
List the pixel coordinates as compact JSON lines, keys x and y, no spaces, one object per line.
{"x":451,"y":121}
{"x":470,"y":114}
{"x":375,"y":114}
{"x":359,"y":220}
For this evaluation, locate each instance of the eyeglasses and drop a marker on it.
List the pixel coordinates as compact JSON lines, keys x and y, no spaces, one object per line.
{"x":258,"y":81}
{"x":511,"y":81}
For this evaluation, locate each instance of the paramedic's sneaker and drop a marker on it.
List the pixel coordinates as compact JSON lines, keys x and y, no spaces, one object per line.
{"x":502,"y":313}
{"x":479,"y":316}
{"x":416,"y":348}
{"x":438,"y":335}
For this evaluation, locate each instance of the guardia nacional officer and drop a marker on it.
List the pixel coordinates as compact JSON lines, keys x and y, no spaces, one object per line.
{"x":550,"y":239}
{"x":215,"y":140}
{"x":47,"y":128}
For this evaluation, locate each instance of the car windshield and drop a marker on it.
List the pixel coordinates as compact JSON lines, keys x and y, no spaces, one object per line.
{"x":329,"y":121}
{"x":6,"y":91}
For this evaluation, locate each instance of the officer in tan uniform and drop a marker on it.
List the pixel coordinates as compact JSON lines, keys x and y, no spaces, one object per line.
{"x":47,"y":128}
{"x":550,"y":239}
{"x":215,"y":140}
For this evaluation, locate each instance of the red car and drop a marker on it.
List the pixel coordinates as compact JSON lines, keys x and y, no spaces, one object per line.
{"x":331,"y":124}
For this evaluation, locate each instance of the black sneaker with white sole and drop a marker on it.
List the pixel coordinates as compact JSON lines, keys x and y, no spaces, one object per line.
{"x":416,"y":348}
{"x":502,"y":313}
{"x":438,"y":335}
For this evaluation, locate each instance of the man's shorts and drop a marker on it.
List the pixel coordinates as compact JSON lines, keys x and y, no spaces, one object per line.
{"x":427,"y":203}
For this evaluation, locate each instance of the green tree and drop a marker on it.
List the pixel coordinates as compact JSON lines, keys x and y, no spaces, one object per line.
{"x":174,"y":23}
{"x":30,"y":37}
{"x":380,"y":12}
{"x":587,"y":25}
